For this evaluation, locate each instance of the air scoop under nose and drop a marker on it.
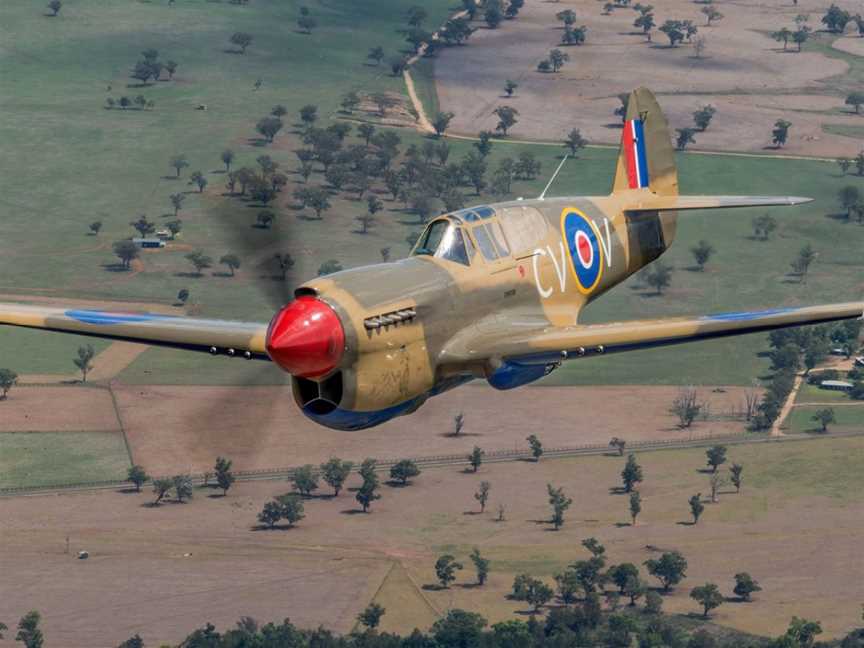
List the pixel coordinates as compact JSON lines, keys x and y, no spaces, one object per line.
{"x":306,"y":338}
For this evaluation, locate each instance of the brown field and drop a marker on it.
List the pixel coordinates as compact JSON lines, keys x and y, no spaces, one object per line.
{"x":164,"y":571}
{"x":174,"y":429}
{"x":58,"y":409}
{"x":743,"y":73}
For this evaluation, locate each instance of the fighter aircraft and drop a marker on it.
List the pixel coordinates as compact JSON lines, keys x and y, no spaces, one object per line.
{"x":490,"y":292}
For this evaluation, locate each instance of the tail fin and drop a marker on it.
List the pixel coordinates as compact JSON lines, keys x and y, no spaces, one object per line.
{"x":646,"y":159}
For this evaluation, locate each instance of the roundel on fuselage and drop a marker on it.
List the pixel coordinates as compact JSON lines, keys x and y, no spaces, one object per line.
{"x":582,"y":240}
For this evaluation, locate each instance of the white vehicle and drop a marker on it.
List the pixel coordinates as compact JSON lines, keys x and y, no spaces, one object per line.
{"x":859,"y":361}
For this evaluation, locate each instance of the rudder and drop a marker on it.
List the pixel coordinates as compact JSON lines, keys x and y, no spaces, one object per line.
{"x":646,"y":159}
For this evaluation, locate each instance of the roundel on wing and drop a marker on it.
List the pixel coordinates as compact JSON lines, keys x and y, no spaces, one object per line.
{"x":583,"y":242}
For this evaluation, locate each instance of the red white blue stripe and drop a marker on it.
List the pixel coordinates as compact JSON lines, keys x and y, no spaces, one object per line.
{"x":633,"y":143}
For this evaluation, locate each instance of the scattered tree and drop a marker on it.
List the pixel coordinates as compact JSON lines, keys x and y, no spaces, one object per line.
{"x":199,"y":261}
{"x":403,"y":471}
{"x":618,"y":444}
{"x":476,"y":458}
{"x":329,"y":267}
{"x":29,"y":632}
{"x":635,"y":506}
{"x":482,"y":495}
{"x":670,"y":569}
{"x":696,"y":506}
{"x":702,"y":117}
{"x":658,"y":276}
{"x":441,"y":122}
{"x":8,"y":378}
{"x":735,"y":471}
{"x":507,"y":118}
{"x":631,"y":474}
{"x":138,"y":476}
{"x":701,"y":253}
{"x":82,"y":362}
{"x":445,"y":569}
{"x":224,"y":477}
{"x":182,"y":485}
{"x":510,"y":87}
{"x":54,"y":7}
{"x":162,"y":487}
{"x":685,"y":137}
{"x":481,"y":565}
{"x":763,"y":226}
{"x":127,"y":252}
{"x":800,"y":266}
{"x":745,"y":586}
{"x":269,"y":126}
{"x":575,"y":142}
{"x":371,"y":616}
{"x":708,"y":596}
{"x":335,"y":472}
{"x":241,"y":40}
{"x":824,"y":417}
{"x":780,"y":132}
{"x":716,"y":457}
{"x":305,"y":480}
{"x":232,"y":261}
{"x":559,"y":503}
{"x":536,"y":446}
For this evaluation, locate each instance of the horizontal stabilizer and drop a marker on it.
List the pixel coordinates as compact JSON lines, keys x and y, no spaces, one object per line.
{"x":679,"y":203}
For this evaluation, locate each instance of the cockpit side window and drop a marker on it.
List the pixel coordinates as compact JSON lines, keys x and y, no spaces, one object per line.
{"x":444,"y":240}
{"x":484,"y":242}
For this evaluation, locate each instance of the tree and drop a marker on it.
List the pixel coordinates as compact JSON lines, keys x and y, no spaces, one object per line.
{"x":309,"y":115}
{"x":8,"y":378}
{"x":162,"y":487}
{"x":230,"y":260}
{"x":735,"y":471}
{"x":493,"y":15}
{"x":306,"y":23}
{"x":227,"y":158}
{"x":763,"y":226}
{"x":536,"y":446}
{"x":335,"y":472}
{"x":241,"y":40}
{"x":385,"y":254}
{"x":557,"y":58}
{"x":836,"y":19}
{"x":674,"y":31}
{"x":135,"y":641}
{"x":459,"y":629}
{"x":482,"y":495}
{"x":376,"y":54}
{"x":702,"y":117}
{"x":716,"y":457}
{"x":445,"y":569}
{"x":127,"y":252}
{"x":182,"y":485}
{"x":745,"y":586}
{"x":171,"y":68}
{"x":510,"y":87}
{"x":367,"y":492}
{"x":716,"y":481}
{"x":179,"y":162}
{"x":319,"y":200}
{"x":29,"y":632}
{"x":54,"y":7}
{"x":696,"y":506}
{"x":800,"y":266}
{"x":481,"y":565}
{"x":264,"y":219}
{"x":85,"y":355}
{"x":224,"y":477}
{"x":441,"y":122}
{"x":708,"y":596}
{"x":685,"y":137}
{"x":575,"y":142}
{"x":568,"y":17}
{"x":622,"y":573}
{"x":824,"y":417}
{"x":782,"y":35}
{"x":634,"y":589}
{"x":402,"y":471}
{"x":507,"y":118}
{"x":701,"y":253}
{"x":371,"y":616}
{"x":850,"y":198}
{"x":631,"y":474}
{"x":803,"y":632}
{"x":269,"y":126}
{"x":199,"y":261}
{"x":670,"y":569}
{"x":476,"y":458}
{"x":270,"y":514}
{"x":780,"y":132}
{"x":711,"y":14}
{"x":143,"y":226}
{"x":138,"y":476}
{"x":559,"y":503}
{"x":291,"y":508}
{"x":635,"y":506}
{"x":329,"y":267}
{"x":574,"y":36}
{"x":659,"y":276}
{"x":305,"y":480}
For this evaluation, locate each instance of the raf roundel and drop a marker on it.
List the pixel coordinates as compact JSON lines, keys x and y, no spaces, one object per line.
{"x":583,"y":242}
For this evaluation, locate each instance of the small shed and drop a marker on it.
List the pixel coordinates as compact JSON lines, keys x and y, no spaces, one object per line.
{"x":149,"y":242}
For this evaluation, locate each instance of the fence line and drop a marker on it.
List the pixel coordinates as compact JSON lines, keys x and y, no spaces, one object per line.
{"x":492,"y":456}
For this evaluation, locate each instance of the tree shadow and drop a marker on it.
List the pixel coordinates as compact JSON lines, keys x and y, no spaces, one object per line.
{"x":471,"y":513}
{"x":129,"y":490}
{"x":115,"y":267}
{"x":468,"y":586}
{"x":461,"y":435}
{"x":617,"y":490}
{"x":275,"y":527}
{"x":433,"y":587}
{"x":169,"y":177}
{"x":216,"y":495}
{"x":188,"y":275}
{"x":839,"y":216}
{"x":621,"y":525}
{"x":223,"y":275}
{"x":353,"y":511}
{"x":686,"y":523}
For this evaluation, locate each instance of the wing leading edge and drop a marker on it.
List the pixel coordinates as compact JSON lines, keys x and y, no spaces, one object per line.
{"x":530,"y":344}
{"x":148,"y":328}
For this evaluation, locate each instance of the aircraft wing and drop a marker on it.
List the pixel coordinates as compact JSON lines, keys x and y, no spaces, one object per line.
{"x":653,"y":202}
{"x":148,"y":328}
{"x":526,"y":342}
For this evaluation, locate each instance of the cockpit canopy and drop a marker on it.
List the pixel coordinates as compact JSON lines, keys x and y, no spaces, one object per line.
{"x":456,"y":236}
{"x":444,"y":239}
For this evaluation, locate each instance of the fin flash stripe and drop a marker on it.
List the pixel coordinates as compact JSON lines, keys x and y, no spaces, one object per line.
{"x":633,"y":143}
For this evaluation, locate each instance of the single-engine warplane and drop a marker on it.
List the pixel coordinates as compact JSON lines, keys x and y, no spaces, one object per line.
{"x":491,"y":292}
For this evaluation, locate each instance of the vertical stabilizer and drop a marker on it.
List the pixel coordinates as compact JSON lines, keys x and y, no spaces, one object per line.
{"x":646,"y":159}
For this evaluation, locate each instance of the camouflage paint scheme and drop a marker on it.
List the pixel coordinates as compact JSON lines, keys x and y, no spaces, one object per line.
{"x":425,"y":324}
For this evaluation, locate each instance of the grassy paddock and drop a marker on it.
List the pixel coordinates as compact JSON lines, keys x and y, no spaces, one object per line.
{"x":44,"y":458}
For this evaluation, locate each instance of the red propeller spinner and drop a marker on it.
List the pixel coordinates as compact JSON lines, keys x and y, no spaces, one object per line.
{"x":306,"y":338}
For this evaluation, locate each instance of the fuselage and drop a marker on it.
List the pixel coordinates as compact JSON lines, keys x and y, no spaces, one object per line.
{"x":528,"y":262}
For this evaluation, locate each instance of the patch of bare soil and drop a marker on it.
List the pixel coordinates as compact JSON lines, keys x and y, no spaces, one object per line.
{"x":57,"y":409}
{"x":741,"y":72}
{"x":174,"y":429}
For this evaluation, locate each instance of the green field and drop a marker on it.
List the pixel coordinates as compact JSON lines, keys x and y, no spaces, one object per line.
{"x":849,"y":417}
{"x":45,"y":458}
{"x":113,"y":165}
